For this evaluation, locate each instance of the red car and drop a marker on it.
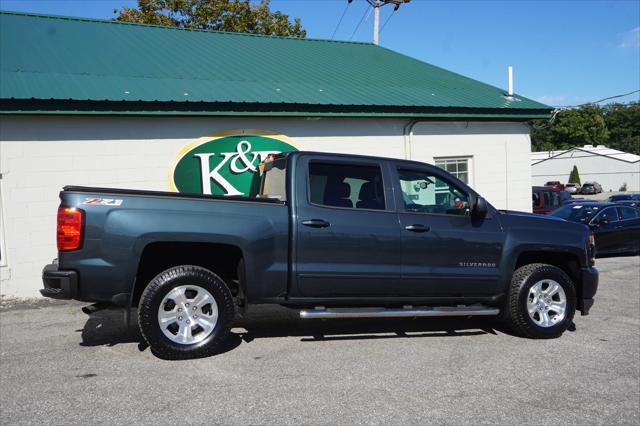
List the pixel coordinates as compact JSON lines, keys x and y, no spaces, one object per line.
{"x":555,"y":184}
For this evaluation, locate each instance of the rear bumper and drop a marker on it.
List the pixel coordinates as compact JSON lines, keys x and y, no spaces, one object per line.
{"x":589,"y":289}
{"x":59,"y":284}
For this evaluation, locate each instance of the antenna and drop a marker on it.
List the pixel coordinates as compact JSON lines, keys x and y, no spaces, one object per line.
{"x":510,"y":81}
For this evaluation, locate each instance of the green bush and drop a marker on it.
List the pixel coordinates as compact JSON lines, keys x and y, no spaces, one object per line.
{"x":574,"y":177}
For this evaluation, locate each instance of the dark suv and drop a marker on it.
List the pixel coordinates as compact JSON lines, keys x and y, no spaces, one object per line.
{"x":591,"y":188}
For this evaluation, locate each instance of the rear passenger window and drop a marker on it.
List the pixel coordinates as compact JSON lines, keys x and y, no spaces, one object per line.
{"x":346,"y":185}
{"x":627,"y":213}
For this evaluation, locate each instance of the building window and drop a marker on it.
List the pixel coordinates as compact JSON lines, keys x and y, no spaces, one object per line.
{"x":458,"y":166}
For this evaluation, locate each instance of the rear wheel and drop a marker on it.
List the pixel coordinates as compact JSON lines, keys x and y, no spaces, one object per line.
{"x":185,"y":312}
{"x":541,"y":301}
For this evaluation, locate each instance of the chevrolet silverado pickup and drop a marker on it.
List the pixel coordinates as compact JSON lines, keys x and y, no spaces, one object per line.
{"x":332,"y":235}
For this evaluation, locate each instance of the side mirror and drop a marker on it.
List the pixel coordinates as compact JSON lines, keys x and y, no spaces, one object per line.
{"x":480,"y":208}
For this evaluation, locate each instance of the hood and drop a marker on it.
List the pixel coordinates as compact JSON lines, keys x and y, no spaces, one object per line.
{"x":511,"y":218}
{"x":533,"y":215}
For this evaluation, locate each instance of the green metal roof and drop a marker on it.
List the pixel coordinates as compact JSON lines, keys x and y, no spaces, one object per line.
{"x":61,"y":65}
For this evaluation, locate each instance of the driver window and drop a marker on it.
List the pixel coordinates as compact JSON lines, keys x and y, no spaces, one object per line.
{"x":609,"y":214}
{"x":427,"y":193}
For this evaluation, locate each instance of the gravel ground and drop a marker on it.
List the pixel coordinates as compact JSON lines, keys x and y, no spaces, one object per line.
{"x":60,"y":366}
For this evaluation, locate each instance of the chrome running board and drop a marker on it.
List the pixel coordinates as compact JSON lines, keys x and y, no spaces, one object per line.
{"x":406,"y":312}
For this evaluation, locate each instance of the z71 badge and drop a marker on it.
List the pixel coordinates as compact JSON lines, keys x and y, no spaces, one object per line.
{"x":102,"y":201}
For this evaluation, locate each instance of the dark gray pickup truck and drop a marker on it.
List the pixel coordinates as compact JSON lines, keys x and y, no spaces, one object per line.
{"x":336,"y":236}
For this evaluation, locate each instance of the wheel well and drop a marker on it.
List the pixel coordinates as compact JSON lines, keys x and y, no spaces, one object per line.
{"x":223,"y":259}
{"x":569,"y":263}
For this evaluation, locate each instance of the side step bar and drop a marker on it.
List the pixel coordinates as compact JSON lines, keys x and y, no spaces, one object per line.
{"x":406,"y":312}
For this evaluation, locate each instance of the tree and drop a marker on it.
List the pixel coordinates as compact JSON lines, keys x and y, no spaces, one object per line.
{"x":577,"y":127}
{"x":623,"y":122}
{"x":573,"y":127}
{"x":574,"y":177}
{"x":222,"y":15}
{"x":616,"y":125}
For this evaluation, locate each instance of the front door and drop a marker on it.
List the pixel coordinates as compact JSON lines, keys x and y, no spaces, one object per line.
{"x":629,"y":229}
{"x":347,"y":232}
{"x":605,"y":229}
{"x":445,"y":252}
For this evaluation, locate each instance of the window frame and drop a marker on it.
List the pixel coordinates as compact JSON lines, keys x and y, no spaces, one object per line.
{"x":388,"y":207}
{"x":470,"y":168}
{"x":437,"y":172}
{"x":601,"y":212}
{"x":620,"y":208}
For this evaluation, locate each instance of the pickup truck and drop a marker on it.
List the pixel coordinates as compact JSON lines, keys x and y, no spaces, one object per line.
{"x":333,"y":235}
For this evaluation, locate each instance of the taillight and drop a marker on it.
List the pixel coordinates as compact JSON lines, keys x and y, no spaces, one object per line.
{"x":69,"y":228}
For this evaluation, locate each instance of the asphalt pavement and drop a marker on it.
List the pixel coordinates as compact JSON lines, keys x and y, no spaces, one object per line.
{"x":60,"y":366}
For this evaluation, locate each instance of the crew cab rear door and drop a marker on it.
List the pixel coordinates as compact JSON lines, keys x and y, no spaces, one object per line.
{"x":346,"y":233}
{"x":445,"y":252}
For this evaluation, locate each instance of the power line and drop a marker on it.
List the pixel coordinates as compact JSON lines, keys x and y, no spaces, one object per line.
{"x":340,"y":21}
{"x":559,"y":109}
{"x":364,"y":17}
{"x":387,"y":21}
{"x":599,"y":100}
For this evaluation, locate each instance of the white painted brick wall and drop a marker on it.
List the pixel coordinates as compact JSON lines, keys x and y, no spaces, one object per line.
{"x":39,"y":155}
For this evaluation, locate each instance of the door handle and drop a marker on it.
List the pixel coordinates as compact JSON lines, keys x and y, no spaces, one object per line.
{"x":416,"y":227}
{"x":316,"y":223}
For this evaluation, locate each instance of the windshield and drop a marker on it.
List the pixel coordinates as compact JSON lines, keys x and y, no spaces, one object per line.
{"x":576,"y":213}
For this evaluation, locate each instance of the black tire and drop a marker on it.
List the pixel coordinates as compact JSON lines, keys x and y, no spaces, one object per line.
{"x":515,"y":309}
{"x":155,"y":292}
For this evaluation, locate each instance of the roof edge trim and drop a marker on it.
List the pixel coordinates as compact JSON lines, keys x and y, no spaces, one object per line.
{"x":70,"y":107}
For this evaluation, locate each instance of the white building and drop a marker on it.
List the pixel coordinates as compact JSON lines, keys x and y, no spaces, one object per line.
{"x":610,"y":168}
{"x":86,"y":102}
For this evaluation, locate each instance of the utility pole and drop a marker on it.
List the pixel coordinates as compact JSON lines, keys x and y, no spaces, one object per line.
{"x":376,"y":21}
{"x":376,"y":4}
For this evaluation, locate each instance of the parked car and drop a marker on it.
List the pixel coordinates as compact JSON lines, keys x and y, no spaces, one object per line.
{"x":591,"y":188}
{"x":624,"y":197}
{"x":616,"y":227}
{"x":555,"y":184}
{"x":334,"y":235}
{"x":546,"y":199}
{"x":572,"y":188}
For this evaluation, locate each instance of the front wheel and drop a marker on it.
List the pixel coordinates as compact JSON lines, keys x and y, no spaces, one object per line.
{"x":541,"y":301}
{"x":185,"y":312}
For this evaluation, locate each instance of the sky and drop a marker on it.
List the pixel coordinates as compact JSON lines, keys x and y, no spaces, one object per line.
{"x":564,"y":52}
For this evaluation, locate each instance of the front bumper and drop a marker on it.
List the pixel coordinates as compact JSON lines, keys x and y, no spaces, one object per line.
{"x":589,"y":289}
{"x":59,"y":284}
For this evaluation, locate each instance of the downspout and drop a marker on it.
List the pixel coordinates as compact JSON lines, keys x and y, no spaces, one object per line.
{"x":408,"y":136}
